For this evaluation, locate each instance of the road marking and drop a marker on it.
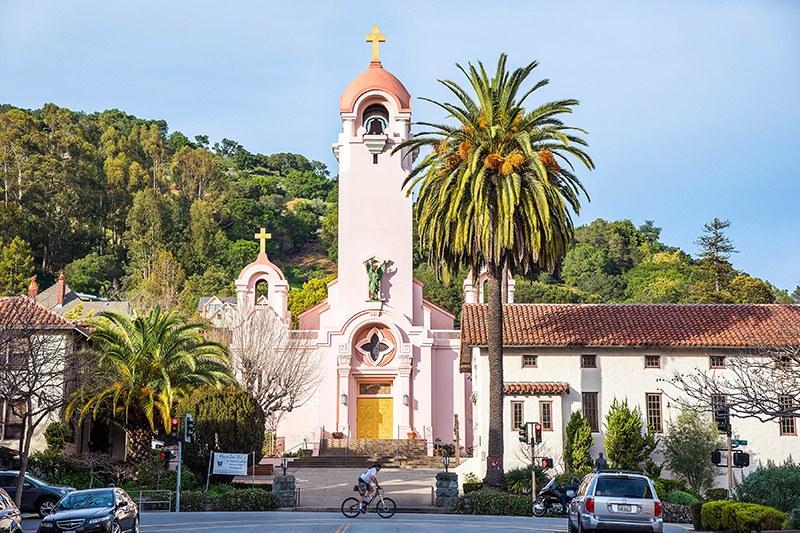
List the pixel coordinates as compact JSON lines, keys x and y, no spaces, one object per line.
{"x":343,"y":528}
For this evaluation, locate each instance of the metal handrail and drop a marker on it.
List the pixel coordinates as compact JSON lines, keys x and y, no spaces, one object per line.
{"x":141,"y":501}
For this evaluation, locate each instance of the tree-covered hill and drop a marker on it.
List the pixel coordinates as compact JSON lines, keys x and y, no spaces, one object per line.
{"x":130,"y":209}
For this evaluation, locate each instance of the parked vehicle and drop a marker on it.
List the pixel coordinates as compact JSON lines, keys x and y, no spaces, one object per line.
{"x":37,"y":496}
{"x":10,"y":517}
{"x":617,"y":500}
{"x":94,"y":510}
{"x":554,"y":498}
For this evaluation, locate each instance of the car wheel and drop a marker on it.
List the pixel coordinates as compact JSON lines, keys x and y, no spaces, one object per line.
{"x":115,"y":528}
{"x":45,"y":507}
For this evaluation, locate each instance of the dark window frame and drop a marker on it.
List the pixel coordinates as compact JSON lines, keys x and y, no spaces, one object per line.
{"x":787,"y":424}
{"x":521,"y":405}
{"x":592,"y":414}
{"x":546,"y":425}
{"x":713,"y":364}
{"x":535,"y":361}
{"x":592,"y":359}
{"x":648,"y":358}
{"x":654,"y":411}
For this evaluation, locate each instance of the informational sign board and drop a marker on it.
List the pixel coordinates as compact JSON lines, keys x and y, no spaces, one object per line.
{"x":230,"y":464}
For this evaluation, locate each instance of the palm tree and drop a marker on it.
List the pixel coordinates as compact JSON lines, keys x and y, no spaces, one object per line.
{"x":141,"y":368}
{"x":495,"y":190}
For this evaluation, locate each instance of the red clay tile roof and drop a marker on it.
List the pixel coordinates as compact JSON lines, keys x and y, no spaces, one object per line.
{"x":635,"y":325}
{"x":536,"y":388}
{"x":21,"y":311}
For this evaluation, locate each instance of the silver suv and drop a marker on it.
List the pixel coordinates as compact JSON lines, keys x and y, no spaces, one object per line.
{"x":615,"y":500}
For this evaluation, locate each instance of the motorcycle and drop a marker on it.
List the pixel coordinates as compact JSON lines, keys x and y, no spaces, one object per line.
{"x":549,"y":499}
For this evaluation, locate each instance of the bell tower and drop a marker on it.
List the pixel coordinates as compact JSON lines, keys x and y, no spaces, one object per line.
{"x":375,"y":214}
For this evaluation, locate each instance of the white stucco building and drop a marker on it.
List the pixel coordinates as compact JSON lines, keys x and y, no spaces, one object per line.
{"x":561,"y":358}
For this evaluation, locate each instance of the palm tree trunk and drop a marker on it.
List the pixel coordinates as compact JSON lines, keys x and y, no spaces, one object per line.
{"x":139,"y":442}
{"x":494,"y":335}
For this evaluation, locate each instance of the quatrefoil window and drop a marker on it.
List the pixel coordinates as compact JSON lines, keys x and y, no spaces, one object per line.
{"x":374,"y":346}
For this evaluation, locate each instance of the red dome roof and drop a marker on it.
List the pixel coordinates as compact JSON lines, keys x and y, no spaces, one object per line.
{"x":375,"y":77}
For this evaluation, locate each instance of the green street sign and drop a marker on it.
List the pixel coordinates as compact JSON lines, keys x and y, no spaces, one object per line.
{"x":739,"y":442}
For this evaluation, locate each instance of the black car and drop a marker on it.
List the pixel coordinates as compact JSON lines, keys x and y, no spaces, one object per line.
{"x":94,"y":510}
{"x":37,"y":496}
{"x":10,"y":517}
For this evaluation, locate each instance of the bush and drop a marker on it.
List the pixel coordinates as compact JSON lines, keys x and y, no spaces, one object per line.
{"x":225,"y":419}
{"x":680,"y":497}
{"x":793,"y":522}
{"x":740,"y":517}
{"x":518,"y":480}
{"x":489,"y":502}
{"x":665,"y":486}
{"x":471,"y":487}
{"x":56,"y":435}
{"x":773,"y":485}
{"x":716,"y":494}
{"x":697,"y":519}
{"x":245,"y":500}
{"x":194,"y":501}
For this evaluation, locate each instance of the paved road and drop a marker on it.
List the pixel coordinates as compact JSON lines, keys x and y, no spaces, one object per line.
{"x":291,"y":522}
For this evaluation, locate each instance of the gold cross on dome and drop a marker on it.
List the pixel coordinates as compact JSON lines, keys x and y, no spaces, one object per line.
{"x":376,"y":37}
{"x":263,"y":236}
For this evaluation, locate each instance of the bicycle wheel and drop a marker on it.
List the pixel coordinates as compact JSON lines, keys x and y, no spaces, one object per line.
{"x":386,"y":508}
{"x":350,"y":507}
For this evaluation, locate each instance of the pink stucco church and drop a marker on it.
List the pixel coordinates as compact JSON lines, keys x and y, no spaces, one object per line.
{"x":388,"y":358}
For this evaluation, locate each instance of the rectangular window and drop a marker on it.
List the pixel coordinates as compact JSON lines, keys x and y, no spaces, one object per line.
{"x":546,"y":415}
{"x":588,"y":361}
{"x":12,"y":419}
{"x":652,"y":361}
{"x":372,"y":389}
{"x":528,"y":361}
{"x":716,"y":361}
{"x":517,"y":415}
{"x":589,"y":400}
{"x":654,"y":418}
{"x":787,"y":423}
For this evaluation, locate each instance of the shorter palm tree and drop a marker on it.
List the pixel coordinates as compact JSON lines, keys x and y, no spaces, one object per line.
{"x":137,"y":369}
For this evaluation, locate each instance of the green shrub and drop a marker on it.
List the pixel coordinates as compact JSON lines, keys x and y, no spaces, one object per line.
{"x":471,"y":487}
{"x":665,"y":486}
{"x":773,"y":485}
{"x":793,"y":522}
{"x":680,"y":497}
{"x":740,"y":516}
{"x":697,"y":520}
{"x":56,"y":434}
{"x":227,"y":419}
{"x":195,"y":500}
{"x":489,"y":502}
{"x":245,"y":500}
{"x":518,"y":480}
{"x":716,"y":494}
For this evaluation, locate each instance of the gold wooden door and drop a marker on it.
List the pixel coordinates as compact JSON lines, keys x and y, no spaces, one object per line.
{"x":374,"y":418}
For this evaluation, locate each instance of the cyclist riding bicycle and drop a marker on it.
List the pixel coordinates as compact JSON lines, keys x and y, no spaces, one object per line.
{"x":365,"y":484}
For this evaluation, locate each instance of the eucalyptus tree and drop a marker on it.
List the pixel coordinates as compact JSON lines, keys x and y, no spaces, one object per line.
{"x":496,"y":190}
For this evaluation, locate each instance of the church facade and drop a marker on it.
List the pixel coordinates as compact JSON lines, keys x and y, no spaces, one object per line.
{"x":388,"y":358}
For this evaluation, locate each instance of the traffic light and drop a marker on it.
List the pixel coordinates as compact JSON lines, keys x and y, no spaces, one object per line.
{"x":173,"y":427}
{"x":188,"y":428}
{"x":523,"y":433}
{"x":716,"y":457}
{"x":537,"y":432}
{"x":722,"y":417}
{"x":741,"y":459}
{"x":547,"y":462}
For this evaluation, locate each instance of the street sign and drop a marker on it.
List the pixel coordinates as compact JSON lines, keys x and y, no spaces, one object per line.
{"x":231,"y":464}
{"x":738,"y":442}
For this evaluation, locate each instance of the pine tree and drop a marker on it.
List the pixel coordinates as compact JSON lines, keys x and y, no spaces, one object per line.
{"x":16,"y":267}
{"x":628,"y":443}
{"x":796,"y":294}
{"x":577,"y":444}
{"x":716,"y":249}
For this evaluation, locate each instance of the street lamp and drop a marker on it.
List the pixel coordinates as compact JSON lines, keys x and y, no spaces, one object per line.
{"x":405,"y":399}
{"x":343,"y":399}
{"x":445,"y":459}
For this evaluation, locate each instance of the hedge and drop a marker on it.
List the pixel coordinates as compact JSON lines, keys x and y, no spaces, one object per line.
{"x":232,"y":500}
{"x":716,"y":494}
{"x":677,"y":514}
{"x":471,"y":487}
{"x":773,"y":485}
{"x":489,"y":502}
{"x":679,"y":497}
{"x":740,"y":517}
{"x":793,"y":522}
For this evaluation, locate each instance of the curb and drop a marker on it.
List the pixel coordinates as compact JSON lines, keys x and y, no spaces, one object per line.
{"x":404,"y":510}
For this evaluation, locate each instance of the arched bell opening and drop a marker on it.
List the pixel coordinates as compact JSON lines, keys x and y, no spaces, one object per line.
{"x":376,"y":120}
{"x":261,"y":293}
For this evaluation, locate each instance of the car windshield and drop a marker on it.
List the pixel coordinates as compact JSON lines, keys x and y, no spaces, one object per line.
{"x":550,"y":484}
{"x":623,"y":487}
{"x":86,"y":500}
{"x":34,"y":480}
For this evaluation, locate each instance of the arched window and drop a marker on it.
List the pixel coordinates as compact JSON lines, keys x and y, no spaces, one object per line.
{"x":262,"y":292}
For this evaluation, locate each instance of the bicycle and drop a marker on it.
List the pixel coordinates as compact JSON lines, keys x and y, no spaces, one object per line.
{"x":385,"y":507}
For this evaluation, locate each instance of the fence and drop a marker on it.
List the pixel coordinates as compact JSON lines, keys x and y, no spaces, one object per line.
{"x":158,"y":498}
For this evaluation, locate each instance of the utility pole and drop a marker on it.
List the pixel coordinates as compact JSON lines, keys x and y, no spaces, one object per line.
{"x":730,"y":460}
{"x":178,"y":484}
{"x":533,"y":461}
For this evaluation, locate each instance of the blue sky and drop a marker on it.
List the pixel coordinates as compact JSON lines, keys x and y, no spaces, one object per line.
{"x":692,"y":106}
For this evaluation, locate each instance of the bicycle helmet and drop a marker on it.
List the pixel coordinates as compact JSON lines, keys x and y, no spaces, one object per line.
{"x":376,"y":466}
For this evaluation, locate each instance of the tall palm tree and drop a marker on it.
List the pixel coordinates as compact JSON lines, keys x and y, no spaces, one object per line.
{"x":139,"y":368}
{"x":496,"y":191}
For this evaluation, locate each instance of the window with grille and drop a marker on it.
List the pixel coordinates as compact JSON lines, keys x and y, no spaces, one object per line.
{"x":717,"y":361}
{"x":654,"y":416}
{"x":528,"y":361}
{"x":589,"y":401}
{"x":517,"y":415}
{"x":787,"y":423}
{"x":546,"y":415}
{"x":588,"y":361}
{"x":12,"y":419}
{"x":652,"y":361}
